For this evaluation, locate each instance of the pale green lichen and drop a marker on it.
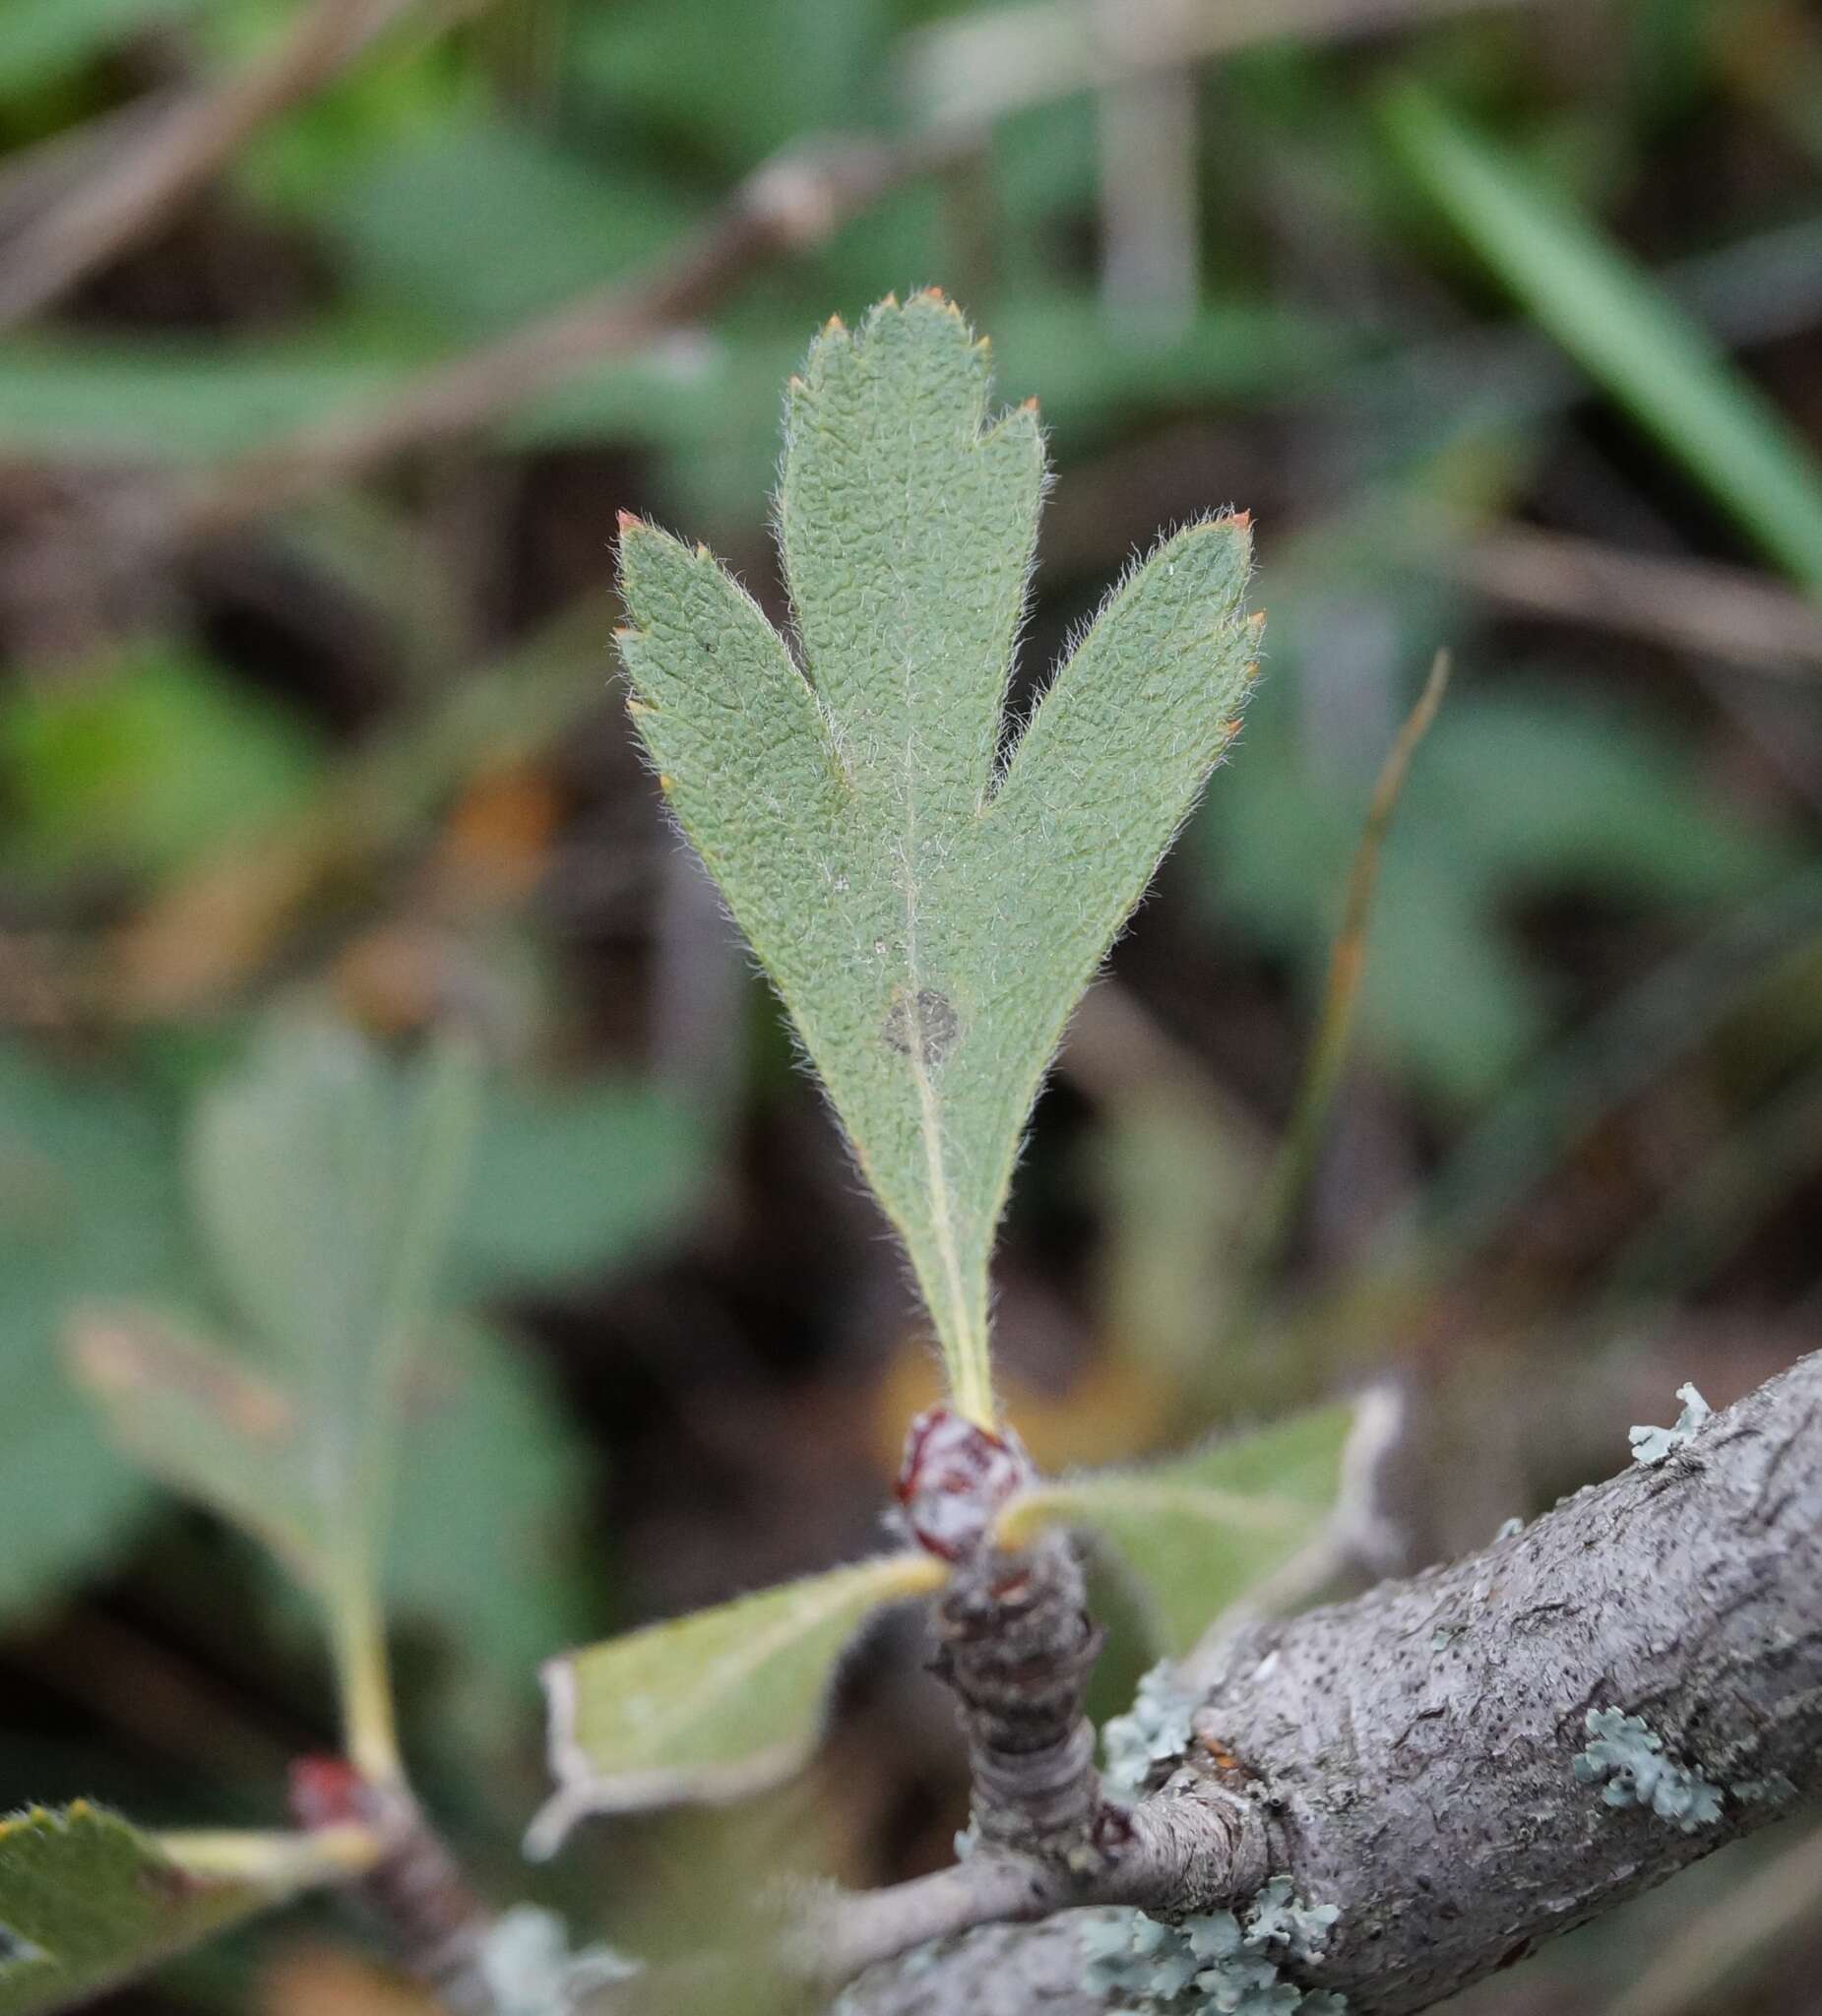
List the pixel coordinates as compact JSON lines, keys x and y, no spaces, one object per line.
{"x":1216,"y":1964}
{"x":1653,"y":1445}
{"x":1627,"y":1755}
{"x":531,"y":1970}
{"x":1154,"y":1730}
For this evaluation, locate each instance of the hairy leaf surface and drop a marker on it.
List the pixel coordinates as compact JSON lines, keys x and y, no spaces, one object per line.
{"x":87,"y":1900}
{"x":1202,"y":1531}
{"x":930,"y":910}
{"x":714,"y":1706}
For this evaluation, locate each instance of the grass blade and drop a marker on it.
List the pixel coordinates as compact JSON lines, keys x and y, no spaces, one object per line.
{"x":1623,"y":328}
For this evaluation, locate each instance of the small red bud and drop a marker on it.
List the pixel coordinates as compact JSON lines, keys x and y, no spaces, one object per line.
{"x":955,"y":1477}
{"x":328,"y":1791}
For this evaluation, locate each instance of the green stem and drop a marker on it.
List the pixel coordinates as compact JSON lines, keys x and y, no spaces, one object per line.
{"x":363,"y":1671}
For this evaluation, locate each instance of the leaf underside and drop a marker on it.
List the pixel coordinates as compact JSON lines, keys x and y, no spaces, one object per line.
{"x":930,"y":910}
{"x":87,"y":1900}
{"x":714,"y":1706}
{"x":1200,"y":1532}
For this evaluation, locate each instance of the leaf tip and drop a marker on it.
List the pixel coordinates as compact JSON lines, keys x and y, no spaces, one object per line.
{"x":629,"y":522}
{"x":1026,"y":405}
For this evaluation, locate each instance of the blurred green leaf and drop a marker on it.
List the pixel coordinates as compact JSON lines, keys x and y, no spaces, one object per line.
{"x":1623,"y":328}
{"x":477,"y":222}
{"x":41,"y":39}
{"x":1529,"y":787}
{"x":89,"y":1204}
{"x":87,"y":1901}
{"x":404,"y":89}
{"x":706,"y":399}
{"x":489,"y":1470}
{"x":712,"y":1707}
{"x":570,"y":1179}
{"x":1541,"y":783}
{"x":82,"y":400}
{"x":309,"y":1163}
{"x":484,"y":1533}
{"x":196,"y":1416}
{"x":1202,"y":1531}
{"x":324,"y":1179}
{"x":732,"y":81}
{"x":143,"y":763}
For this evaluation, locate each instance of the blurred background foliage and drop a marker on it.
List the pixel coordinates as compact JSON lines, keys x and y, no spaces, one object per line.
{"x":333,"y":333}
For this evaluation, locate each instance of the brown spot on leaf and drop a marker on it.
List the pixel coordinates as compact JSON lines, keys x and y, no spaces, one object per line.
{"x":122,"y":1354}
{"x":922,"y":1024}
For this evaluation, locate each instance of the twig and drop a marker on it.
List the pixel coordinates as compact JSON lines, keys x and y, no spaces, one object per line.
{"x":1191,"y":1846}
{"x":1288,"y":1179}
{"x":1691,"y":605}
{"x":167,"y":158}
{"x":1410,"y":1756}
{"x":1150,"y":238}
{"x":434,"y":1925}
{"x":982,"y":66}
{"x":44,"y":174}
{"x":793,"y":203}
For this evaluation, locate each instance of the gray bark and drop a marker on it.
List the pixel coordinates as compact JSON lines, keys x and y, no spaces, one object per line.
{"x":1411,"y":1752}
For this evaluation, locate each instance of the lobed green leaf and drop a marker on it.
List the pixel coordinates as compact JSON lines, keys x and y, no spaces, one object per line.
{"x":87,"y":1901}
{"x":929,"y":913}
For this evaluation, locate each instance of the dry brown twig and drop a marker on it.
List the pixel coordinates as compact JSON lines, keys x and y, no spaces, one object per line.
{"x":981,"y":66}
{"x":1690,"y":605}
{"x":157,"y":161}
{"x":791,"y":204}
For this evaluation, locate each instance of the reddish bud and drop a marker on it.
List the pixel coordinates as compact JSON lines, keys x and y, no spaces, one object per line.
{"x":955,"y":1477}
{"x":328,"y":1791}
